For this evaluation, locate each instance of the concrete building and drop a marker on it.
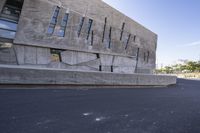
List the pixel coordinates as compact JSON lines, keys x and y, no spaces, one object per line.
{"x":74,"y":35}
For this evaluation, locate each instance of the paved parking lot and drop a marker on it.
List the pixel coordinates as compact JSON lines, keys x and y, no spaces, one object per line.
{"x":174,"y":109}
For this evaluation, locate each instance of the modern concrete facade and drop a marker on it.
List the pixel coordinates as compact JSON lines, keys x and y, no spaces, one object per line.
{"x":77,"y":35}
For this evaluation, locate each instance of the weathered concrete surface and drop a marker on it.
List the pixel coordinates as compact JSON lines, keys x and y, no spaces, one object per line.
{"x":22,"y":75}
{"x":106,"y":28}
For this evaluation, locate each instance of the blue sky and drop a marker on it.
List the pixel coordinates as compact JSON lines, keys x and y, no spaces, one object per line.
{"x":177,"y":23}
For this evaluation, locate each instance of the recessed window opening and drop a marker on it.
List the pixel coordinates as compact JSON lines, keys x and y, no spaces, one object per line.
{"x":110,"y":38}
{"x":63,"y":26}
{"x":104,"y":29}
{"x":92,"y":38}
{"x":122,"y":31}
{"x":129,"y":36}
{"x":138,"y":51}
{"x":89,"y":28}
{"x":148,"y":53}
{"x":100,"y":68}
{"x":98,"y":55}
{"x":53,"y":22}
{"x":144,"y":56}
{"x":111,"y":68}
{"x":134,"y":38}
{"x":56,"y":55}
{"x":81,"y":26}
{"x":9,"y":18}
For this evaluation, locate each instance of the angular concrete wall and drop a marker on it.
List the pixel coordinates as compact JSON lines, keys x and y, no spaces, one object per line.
{"x":111,"y":45}
{"x":24,"y":75}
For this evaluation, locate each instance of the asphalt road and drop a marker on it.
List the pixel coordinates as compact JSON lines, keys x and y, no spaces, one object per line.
{"x":174,"y":109}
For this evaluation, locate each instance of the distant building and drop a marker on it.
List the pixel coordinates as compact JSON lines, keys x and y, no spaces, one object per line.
{"x":85,"y":35}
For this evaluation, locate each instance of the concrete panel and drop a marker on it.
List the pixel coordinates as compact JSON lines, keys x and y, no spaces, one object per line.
{"x":93,"y":64}
{"x":124,"y":69}
{"x":19,"y":53}
{"x":73,"y":57}
{"x":106,"y":60}
{"x":106,"y":68}
{"x":43,"y":56}
{"x":22,"y":75}
{"x":124,"y":61}
{"x":7,"y":56}
{"x":30,"y":55}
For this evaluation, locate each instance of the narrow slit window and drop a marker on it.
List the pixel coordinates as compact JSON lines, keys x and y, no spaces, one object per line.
{"x":129,"y":36}
{"x":148,"y":53}
{"x":89,"y":28}
{"x":104,"y":29}
{"x":111,"y":68}
{"x":138,"y":51}
{"x":134,"y":39}
{"x":63,"y":26}
{"x":92,"y":38}
{"x":137,"y":59}
{"x":9,"y":18}
{"x":100,"y":68}
{"x":53,"y":22}
{"x":98,"y":55}
{"x":122,"y":31}
{"x":81,"y":26}
{"x":110,"y":38}
{"x":144,"y":56}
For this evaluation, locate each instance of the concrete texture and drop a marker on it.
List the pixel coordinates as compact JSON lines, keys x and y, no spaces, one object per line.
{"x":32,"y":31}
{"x":98,"y":39}
{"x":25,"y":75}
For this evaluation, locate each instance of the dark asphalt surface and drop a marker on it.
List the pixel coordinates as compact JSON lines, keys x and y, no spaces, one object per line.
{"x":174,"y":109}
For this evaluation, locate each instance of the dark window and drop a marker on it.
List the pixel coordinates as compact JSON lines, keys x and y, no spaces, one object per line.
{"x":92,"y":38}
{"x":81,"y":26}
{"x":111,"y":68}
{"x":100,"y":68}
{"x":134,"y":39}
{"x":127,"y":42}
{"x":89,"y":28}
{"x":148,"y":53}
{"x":9,"y":17}
{"x":63,"y":26}
{"x":138,"y":51}
{"x":53,"y":22}
{"x":110,"y":38}
{"x":104,"y":29}
{"x":98,"y":55}
{"x":144,"y":56}
{"x":122,"y":31}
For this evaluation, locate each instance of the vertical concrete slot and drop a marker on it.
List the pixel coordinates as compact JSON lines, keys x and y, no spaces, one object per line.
{"x":129,"y":36}
{"x":144,"y":56}
{"x":89,"y":28}
{"x":137,"y":59}
{"x":104,"y":29}
{"x":148,"y":56}
{"x":134,"y":39}
{"x":92,"y":38}
{"x":81,"y":26}
{"x":110,"y":38}
{"x":122,"y":31}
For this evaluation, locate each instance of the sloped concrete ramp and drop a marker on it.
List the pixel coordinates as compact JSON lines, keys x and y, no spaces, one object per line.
{"x":10,"y":74}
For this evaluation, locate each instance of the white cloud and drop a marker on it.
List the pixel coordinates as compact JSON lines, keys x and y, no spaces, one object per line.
{"x":197,"y":43}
